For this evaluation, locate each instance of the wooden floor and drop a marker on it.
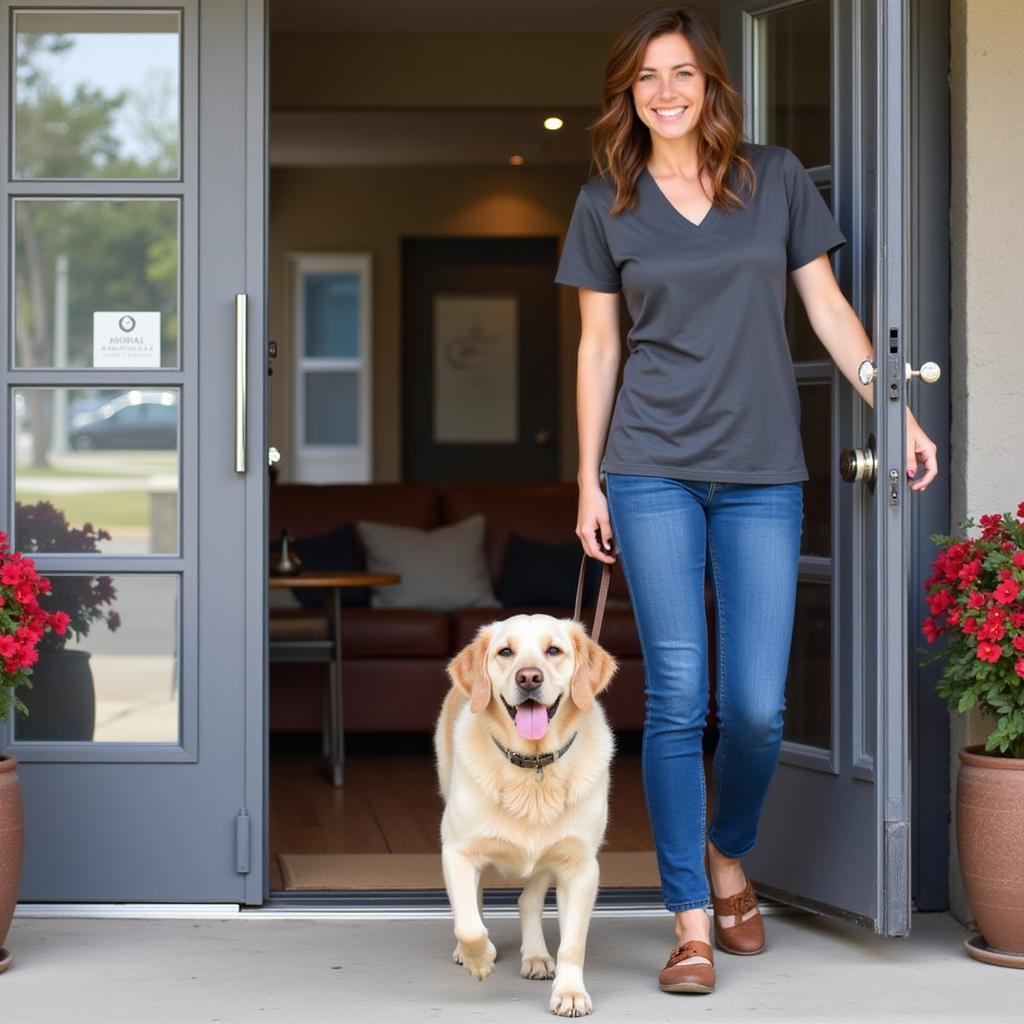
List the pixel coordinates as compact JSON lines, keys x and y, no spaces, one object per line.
{"x":390,"y":802}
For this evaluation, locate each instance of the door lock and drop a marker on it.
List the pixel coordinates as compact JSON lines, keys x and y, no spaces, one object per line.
{"x":860,"y":465}
{"x":929,"y":372}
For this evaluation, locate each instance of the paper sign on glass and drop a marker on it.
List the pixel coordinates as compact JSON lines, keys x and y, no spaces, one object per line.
{"x":126,"y":339}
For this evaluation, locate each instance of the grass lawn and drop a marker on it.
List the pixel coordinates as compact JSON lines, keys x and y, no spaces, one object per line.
{"x":106,"y":511}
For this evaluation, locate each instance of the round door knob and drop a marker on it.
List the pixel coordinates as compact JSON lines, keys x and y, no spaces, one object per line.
{"x":859,"y":465}
{"x":273,"y":456}
{"x":929,"y":372}
{"x":866,"y":372}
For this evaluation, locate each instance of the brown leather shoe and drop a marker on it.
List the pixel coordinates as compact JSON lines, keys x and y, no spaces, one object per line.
{"x":744,"y":938}
{"x":684,"y":974}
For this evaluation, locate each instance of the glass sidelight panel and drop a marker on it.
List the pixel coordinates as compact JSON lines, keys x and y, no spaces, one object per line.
{"x":115,"y":677}
{"x":793,"y":59}
{"x":97,"y":94}
{"x":816,"y":431}
{"x":96,"y":283}
{"x":809,"y":683}
{"x":96,"y":470}
{"x":332,"y":408}
{"x":332,"y":312}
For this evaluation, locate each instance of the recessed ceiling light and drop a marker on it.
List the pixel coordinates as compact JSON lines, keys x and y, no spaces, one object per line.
{"x":517,"y":160}
{"x":553,"y":123}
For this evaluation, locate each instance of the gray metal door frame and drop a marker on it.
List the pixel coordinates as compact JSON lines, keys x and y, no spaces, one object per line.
{"x":141,"y":822}
{"x":870,"y":792}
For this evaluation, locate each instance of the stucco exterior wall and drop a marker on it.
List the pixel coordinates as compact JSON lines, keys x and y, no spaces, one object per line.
{"x":987,"y":300}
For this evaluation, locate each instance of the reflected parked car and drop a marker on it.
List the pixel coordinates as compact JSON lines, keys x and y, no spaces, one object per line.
{"x":134,"y":419}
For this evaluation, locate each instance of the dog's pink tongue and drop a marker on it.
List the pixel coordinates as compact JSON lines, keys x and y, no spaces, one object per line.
{"x":531,"y":720}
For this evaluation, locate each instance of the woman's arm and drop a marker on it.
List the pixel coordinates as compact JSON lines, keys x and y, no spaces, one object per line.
{"x":842,"y":334}
{"x":597,"y":368}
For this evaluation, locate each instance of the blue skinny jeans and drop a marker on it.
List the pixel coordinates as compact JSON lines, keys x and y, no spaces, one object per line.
{"x":746,"y":537}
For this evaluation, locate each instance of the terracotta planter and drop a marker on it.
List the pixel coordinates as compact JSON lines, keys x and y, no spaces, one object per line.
{"x":62,"y":701}
{"x":12,"y":843}
{"x":990,"y":842}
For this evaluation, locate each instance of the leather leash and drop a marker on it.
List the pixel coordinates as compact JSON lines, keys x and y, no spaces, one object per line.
{"x":602,"y":596}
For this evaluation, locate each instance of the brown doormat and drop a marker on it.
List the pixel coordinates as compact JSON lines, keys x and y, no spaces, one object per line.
{"x":343,"y":871}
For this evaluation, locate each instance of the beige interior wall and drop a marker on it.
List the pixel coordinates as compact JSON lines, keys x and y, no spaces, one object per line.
{"x":369,"y":210}
{"x":987,"y":228}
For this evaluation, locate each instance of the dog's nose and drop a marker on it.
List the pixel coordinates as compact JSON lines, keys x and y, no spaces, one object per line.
{"x":529,"y":678}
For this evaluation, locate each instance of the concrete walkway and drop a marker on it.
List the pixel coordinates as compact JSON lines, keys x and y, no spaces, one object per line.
{"x":260,"y":969}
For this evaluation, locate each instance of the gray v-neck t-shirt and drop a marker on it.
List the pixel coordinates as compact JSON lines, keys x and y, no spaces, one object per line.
{"x":708,"y":389}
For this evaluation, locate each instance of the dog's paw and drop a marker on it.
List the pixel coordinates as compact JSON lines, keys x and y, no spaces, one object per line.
{"x":457,"y":955}
{"x":570,"y":1003}
{"x":478,"y":957}
{"x":537,"y":968}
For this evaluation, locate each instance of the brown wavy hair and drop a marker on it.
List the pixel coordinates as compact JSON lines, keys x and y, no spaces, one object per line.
{"x":621,"y":142}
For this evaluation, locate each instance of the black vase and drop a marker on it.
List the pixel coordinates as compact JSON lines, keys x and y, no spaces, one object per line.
{"x":62,"y":701}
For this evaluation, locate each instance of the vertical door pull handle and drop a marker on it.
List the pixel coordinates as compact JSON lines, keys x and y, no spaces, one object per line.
{"x":241,"y":341}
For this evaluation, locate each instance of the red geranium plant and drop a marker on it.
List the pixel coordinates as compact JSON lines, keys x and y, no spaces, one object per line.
{"x":23,"y":623}
{"x":42,"y":528}
{"x":976,"y":599}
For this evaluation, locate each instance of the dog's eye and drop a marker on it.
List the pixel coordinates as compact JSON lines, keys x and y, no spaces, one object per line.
{"x":553,"y":650}
{"x":505,"y":652}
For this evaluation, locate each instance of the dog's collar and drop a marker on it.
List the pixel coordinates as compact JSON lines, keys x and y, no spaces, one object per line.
{"x":535,"y":762}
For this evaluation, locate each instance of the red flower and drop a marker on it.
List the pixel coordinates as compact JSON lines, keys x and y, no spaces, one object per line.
{"x":58,"y":622}
{"x":953,"y":616}
{"x":1006,"y":592}
{"x":970,"y":626}
{"x":969,"y":573}
{"x":989,"y":652}
{"x":991,"y":631}
{"x":990,"y":526}
{"x":1018,"y":667}
{"x":1018,"y":643}
{"x":930,"y":631}
{"x":1020,"y":510}
{"x":1017,"y":619}
{"x":1018,"y":560}
{"x":940,"y":601}
{"x":975,"y":600}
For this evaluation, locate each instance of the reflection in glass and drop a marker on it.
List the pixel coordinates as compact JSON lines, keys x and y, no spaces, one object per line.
{"x":816,"y":431}
{"x":96,"y":470}
{"x":794,"y":74}
{"x":332,"y":408}
{"x":809,"y":683}
{"x":114,"y":677}
{"x":74,"y":258}
{"x":331,"y":315}
{"x":96,"y":94}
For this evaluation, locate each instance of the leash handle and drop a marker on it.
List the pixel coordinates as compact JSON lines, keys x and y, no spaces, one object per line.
{"x":602,"y":596}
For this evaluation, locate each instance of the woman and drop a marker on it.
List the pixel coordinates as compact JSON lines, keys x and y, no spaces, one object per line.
{"x":703,"y":466}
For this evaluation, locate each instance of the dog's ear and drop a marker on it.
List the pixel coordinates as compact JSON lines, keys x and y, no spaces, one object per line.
{"x":594,"y":668}
{"x":468,"y":670}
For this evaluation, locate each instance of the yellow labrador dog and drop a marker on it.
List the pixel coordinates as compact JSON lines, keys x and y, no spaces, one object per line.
{"x":523,"y":756}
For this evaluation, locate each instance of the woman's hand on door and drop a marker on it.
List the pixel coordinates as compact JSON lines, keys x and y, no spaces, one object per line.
{"x":921,"y":450}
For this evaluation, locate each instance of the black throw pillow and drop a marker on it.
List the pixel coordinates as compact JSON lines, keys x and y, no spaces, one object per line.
{"x":337,"y":549}
{"x":538,"y":573}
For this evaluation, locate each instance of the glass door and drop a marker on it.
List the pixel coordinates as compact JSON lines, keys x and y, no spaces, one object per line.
{"x":824,"y":78}
{"x":135,"y":173}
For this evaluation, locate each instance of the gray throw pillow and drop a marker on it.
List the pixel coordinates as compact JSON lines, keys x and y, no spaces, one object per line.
{"x":441,"y":569}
